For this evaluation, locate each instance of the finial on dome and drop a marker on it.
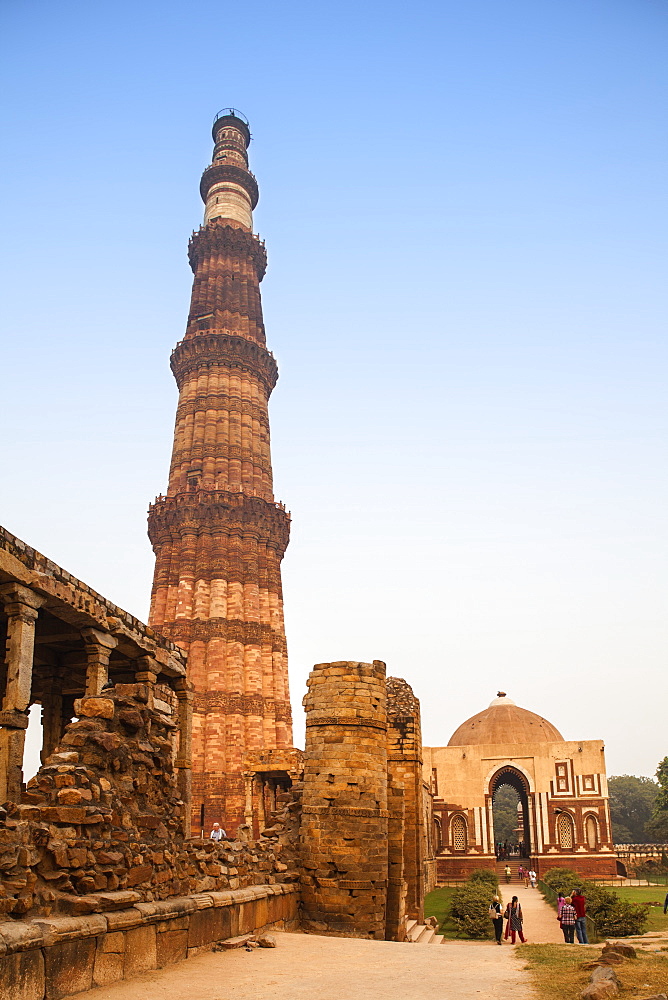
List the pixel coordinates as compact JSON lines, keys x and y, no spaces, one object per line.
{"x":501,"y":699}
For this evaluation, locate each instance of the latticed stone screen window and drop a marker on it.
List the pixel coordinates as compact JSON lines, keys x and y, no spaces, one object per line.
{"x":565,"y":831}
{"x":458,"y":831}
{"x":592,"y":833}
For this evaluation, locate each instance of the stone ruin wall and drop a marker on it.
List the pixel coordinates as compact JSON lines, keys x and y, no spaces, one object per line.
{"x":344,"y":827}
{"x":105,"y":825}
{"x":98,"y":878}
{"x":404,"y":767}
{"x":363,"y":841}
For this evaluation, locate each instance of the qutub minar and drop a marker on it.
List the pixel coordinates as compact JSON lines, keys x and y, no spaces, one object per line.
{"x":218,"y":535}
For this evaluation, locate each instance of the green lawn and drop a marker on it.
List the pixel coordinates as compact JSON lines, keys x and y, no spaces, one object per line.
{"x":646,"y":894}
{"x":437,"y":904}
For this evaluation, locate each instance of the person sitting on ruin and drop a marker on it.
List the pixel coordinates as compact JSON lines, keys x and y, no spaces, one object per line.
{"x":217,"y":833}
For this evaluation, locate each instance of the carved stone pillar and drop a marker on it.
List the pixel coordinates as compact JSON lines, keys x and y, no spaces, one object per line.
{"x":248,"y":810}
{"x":149,"y":670}
{"x":21,"y":607}
{"x":99,"y":646}
{"x":52,"y":716}
{"x":185,"y":695}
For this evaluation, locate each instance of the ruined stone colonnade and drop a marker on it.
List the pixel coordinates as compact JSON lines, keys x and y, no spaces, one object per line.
{"x":62,"y":642}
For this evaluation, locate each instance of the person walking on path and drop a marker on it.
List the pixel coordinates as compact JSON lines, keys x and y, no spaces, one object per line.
{"x":580,"y":906}
{"x":560,"y":903}
{"x":497,"y":918}
{"x":665,"y":904}
{"x":567,"y":920}
{"x":514,"y":917}
{"x":507,"y":872}
{"x":532,"y":878}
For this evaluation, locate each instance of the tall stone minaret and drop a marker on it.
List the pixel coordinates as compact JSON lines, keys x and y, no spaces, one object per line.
{"x":218,"y":535}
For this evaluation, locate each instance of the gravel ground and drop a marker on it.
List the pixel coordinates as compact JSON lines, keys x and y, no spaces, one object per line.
{"x":310,"y":967}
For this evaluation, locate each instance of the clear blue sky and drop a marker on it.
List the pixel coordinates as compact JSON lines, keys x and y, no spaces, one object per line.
{"x":465,"y":212}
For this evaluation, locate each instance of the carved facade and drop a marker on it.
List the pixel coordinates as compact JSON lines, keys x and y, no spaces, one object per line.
{"x":218,"y":535}
{"x":561,"y":784}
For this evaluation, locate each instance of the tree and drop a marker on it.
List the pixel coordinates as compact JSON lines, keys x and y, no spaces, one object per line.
{"x":505,"y":814}
{"x":632,"y":802}
{"x":657,"y":827}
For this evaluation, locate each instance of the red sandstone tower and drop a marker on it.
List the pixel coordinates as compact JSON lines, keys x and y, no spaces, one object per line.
{"x":218,"y":535}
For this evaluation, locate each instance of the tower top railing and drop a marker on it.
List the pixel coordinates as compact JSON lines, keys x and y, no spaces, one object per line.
{"x":225,"y":112}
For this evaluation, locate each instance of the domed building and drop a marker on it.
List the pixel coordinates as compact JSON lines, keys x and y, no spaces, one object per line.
{"x":563,"y":814}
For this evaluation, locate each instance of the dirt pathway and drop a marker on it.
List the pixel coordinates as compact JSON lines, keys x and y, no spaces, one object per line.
{"x":309,"y":967}
{"x":540,"y":919}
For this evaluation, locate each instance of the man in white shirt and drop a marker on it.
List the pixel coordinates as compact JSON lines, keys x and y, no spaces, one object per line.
{"x":217,"y":833}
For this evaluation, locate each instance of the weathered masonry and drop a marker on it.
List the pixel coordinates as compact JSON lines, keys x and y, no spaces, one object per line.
{"x":365,"y":849}
{"x":64,"y":642}
{"x":218,"y":534}
{"x":99,"y":877}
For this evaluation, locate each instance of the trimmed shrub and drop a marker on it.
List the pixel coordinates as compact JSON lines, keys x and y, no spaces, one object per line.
{"x":486,"y":877}
{"x":613,"y":915}
{"x":562,"y":880}
{"x":469,"y":909}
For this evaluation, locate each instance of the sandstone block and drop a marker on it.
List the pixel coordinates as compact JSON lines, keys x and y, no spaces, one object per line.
{"x":102,"y":708}
{"x":114,"y":942}
{"x":22,"y":975}
{"x":108,"y":968}
{"x":171,"y":946}
{"x":69,"y":967}
{"x":140,"y":951}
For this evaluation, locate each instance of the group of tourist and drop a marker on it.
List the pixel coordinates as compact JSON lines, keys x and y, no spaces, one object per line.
{"x":513,"y":916}
{"x":526,"y":875}
{"x":571,"y":914}
{"x":506,"y":850}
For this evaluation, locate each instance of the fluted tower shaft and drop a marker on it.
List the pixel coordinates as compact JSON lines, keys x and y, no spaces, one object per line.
{"x":218,"y":535}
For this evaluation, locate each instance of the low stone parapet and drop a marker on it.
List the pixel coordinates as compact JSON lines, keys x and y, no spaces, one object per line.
{"x":52,"y":957}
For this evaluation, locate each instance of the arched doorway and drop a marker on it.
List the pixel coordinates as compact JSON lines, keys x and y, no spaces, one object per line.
{"x":509,"y":791}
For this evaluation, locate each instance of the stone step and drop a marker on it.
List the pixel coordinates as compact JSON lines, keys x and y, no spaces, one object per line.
{"x":413,"y":930}
{"x":422,"y":933}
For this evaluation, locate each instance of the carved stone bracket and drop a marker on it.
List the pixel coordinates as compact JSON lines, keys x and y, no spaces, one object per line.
{"x":218,"y":172}
{"x":229,"y":513}
{"x":223,"y":239}
{"x":198,"y":353}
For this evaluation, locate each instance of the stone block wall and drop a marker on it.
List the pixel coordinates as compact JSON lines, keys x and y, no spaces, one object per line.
{"x":52,"y":957}
{"x":103,"y":823}
{"x":344,"y":828}
{"x":404,"y":764}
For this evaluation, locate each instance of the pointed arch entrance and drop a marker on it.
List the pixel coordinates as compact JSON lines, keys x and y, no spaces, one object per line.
{"x":511,"y":776}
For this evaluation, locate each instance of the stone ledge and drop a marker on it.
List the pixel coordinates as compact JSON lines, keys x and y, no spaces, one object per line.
{"x":44,"y":932}
{"x":52,"y":958}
